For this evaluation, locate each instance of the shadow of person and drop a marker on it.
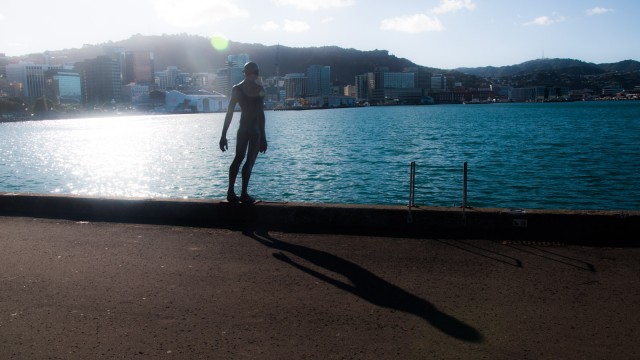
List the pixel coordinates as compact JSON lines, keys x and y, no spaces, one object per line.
{"x":367,"y":286}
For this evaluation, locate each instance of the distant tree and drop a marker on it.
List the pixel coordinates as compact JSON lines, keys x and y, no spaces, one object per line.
{"x":11,"y":105}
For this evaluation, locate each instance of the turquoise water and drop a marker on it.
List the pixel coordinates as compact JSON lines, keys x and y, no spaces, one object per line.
{"x":582,"y":155}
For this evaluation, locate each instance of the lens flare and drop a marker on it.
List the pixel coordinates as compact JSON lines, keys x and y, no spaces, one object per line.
{"x":219,"y":42}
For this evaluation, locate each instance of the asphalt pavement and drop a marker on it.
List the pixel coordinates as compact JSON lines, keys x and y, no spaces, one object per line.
{"x":93,"y":290}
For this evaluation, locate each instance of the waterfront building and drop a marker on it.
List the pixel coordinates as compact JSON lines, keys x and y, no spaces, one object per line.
{"x":64,"y":86}
{"x":168,"y":79}
{"x":29,"y":78}
{"x":396,"y":80}
{"x":222,"y":84}
{"x":438,"y":82}
{"x":422,"y":78}
{"x":136,"y":94}
{"x":274,"y":90}
{"x":448,"y":97}
{"x":3,"y":66}
{"x":100,"y":81}
{"x":395,"y":88}
{"x":525,"y":94}
{"x":235,"y":64}
{"x":295,"y":85}
{"x":137,"y":67}
{"x":331,"y":101}
{"x":538,"y":94}
{"x":397,"y":96}
{"x":365,"y":84}
{"x":195,"y":101}
{"x":203,"y":80}
{"x":350,"y":90}
{"x":238,"y":60}
{"x":319,"y":80}
{"x":231,"y":73}
{"x":612,"y":90}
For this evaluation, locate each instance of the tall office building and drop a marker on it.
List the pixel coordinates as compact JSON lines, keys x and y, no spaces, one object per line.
{"x":365,"y":84}
{"x":29,"y":78}
{"x":100,"y":80}
{"x":63,"y":86}
{"x":295,"y":85}
{"x":318,"y":80}
{"x":396,"y":80}
{"x":137,"y":67}
{"x":232,"y":73}
{"x":438,"y":82}
{"x":237,"y":60}
{"x":235,"y":64}
{"x":3,"y":65}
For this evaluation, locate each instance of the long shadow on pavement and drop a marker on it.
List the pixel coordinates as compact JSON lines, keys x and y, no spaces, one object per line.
{"x":367,"y":286}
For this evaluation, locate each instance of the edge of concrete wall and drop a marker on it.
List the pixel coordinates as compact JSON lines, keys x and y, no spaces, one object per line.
{"x":608,"y":228}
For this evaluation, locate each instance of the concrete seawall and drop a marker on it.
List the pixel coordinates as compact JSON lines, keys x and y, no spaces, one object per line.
{"x":608,"y":228}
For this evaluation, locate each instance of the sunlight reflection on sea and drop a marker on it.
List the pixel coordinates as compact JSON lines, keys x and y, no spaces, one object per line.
{"x":574,"y":156}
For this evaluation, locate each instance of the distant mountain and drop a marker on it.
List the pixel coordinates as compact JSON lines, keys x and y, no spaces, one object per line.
{"x":566,"y":73}
{"x":568,"y":66}
{"x":533,"y":66}
{"x":622,"y":66}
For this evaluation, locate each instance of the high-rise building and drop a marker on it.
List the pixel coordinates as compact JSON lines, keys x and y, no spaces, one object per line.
{"x":365,"y":84}
{"x":295,"y":85}
{"x":3,"y":65}
{"x":318,"y":80}
{"x":232,"y":73}
{"x":396,"y":80}
{"x":235,"y":64}
{"x":100,"y":80}
{"x":63,"y":86}
{"x":438,"y":82}
{"x":170,"y":78}
{"x":137,"y":67}
{"x":394,"y":87}
{"x":237,"y":60}
{"x":29,"y":78}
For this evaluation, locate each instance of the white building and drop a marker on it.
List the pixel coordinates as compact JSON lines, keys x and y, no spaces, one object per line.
{"x":29,"y":77}
{"x":196,"y":101}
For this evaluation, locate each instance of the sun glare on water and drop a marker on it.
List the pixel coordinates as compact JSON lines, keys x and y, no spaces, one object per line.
{"x":109,"y":156}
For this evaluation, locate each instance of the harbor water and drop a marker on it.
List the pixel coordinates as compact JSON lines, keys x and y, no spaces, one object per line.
{"x":582,"y":155}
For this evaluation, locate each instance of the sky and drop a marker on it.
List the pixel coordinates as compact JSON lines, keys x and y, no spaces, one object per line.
{"x":443,"y":34}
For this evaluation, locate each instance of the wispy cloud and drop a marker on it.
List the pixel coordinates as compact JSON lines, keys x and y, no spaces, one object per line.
{"x":419,"y":23}
{"x":313,"y":5}
{"x":192,"y":13}
{"x":598,"y":11}
{"x":296,"y":26}
{"x":447,"y":6}
{"x":546,"y":20}
{"x":293,"y":26}
{"x":412,"y":24}
{"x":267,"y":26}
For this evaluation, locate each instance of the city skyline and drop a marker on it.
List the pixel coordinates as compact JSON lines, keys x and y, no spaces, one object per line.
{"x":444,"y":34}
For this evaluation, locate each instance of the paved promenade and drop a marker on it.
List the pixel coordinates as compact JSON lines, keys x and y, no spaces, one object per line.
{"x":92,"y":290}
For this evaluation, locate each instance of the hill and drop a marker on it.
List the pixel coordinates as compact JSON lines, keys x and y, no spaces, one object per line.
{"x":195,"y":54}
{"x":574,"y":74}
{"x":533,"y":66}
